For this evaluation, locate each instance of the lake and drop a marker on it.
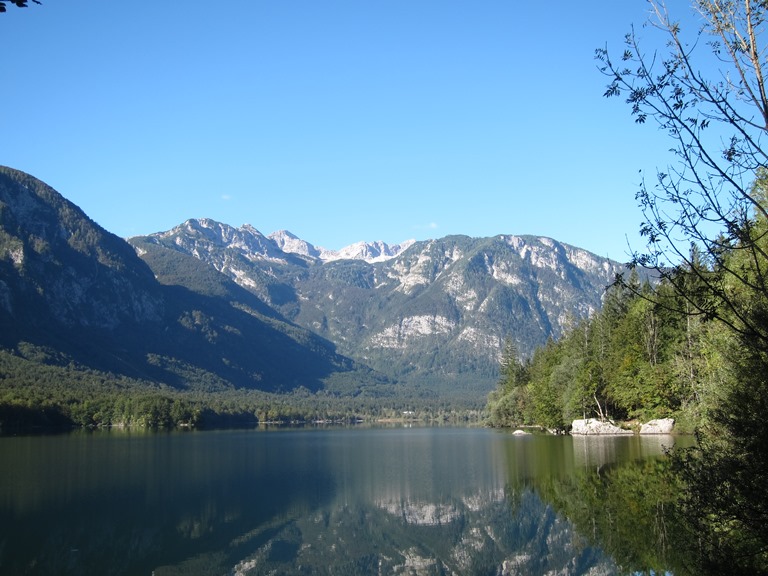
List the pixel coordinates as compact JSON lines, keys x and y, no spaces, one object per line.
{"x":331,"y":501}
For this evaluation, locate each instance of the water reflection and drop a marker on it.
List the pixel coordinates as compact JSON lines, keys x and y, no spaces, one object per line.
{"x":394,"y":501}
{"x":591,"y":451}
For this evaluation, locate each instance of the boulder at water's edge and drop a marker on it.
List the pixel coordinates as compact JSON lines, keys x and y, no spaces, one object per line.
{"x":595,"y":427}
{"x":661,"y":426}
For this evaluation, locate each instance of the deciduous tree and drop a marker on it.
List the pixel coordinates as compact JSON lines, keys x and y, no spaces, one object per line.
{"x":705,"y":226}
{"x":717,"y":126}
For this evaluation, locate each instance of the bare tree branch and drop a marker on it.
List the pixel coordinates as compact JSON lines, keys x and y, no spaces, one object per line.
{"x":718,"y":126}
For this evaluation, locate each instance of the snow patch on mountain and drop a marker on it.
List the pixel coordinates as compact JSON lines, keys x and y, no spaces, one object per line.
{"x":368,"y":251}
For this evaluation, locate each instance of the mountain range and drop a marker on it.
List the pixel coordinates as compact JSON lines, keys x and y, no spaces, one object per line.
{"x":435,"y":311}
{"x":207,"y":306}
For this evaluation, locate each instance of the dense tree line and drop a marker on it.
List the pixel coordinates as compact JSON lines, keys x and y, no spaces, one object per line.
{"x":637,"y":359}
{"x":38,"y":390}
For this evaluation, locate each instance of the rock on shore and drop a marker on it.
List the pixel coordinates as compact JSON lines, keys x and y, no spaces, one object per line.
{"x":661,"y":426}
{"x":594,"y":427}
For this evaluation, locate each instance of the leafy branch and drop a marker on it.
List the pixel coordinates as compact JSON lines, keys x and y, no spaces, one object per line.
{"x":17,"y":3}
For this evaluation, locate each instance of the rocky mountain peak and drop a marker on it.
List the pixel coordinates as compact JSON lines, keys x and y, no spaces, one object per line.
{"x":291,"y":243}
{"x":369,"y":251}
{"x":205,"y":235}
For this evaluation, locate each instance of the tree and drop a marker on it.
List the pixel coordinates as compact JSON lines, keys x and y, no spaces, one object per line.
{"x":705,"y":199}
{"x":705,"y":222}
{"x":508,"y":404}
{"x":513,"y":370}
{"x":18,"y":3}
{"x":549,"y":376}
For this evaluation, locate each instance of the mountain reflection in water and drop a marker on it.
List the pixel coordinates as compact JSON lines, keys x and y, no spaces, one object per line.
{"x":330,"y":501}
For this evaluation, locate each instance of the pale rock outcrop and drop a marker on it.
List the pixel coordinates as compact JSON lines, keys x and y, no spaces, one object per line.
{"x":661,"y":426}
{"x":595,"y":427}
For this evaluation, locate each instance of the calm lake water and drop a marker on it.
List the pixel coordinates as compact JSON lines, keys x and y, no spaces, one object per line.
{"x":330,"y":501}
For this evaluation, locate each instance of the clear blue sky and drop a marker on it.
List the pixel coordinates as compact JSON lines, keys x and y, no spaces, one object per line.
{"x":339,"y":120}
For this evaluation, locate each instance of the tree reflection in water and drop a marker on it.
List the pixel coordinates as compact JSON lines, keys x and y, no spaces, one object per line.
{"x":421,"y":501}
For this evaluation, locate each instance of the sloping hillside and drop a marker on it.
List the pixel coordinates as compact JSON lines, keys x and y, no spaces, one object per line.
{"x":74,"y":295}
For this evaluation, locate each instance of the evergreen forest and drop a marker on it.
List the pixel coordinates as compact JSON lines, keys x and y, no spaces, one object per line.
{"x":637,"y":359}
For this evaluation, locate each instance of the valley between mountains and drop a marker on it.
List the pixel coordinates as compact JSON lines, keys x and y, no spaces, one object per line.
{"x":207,"y":308}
